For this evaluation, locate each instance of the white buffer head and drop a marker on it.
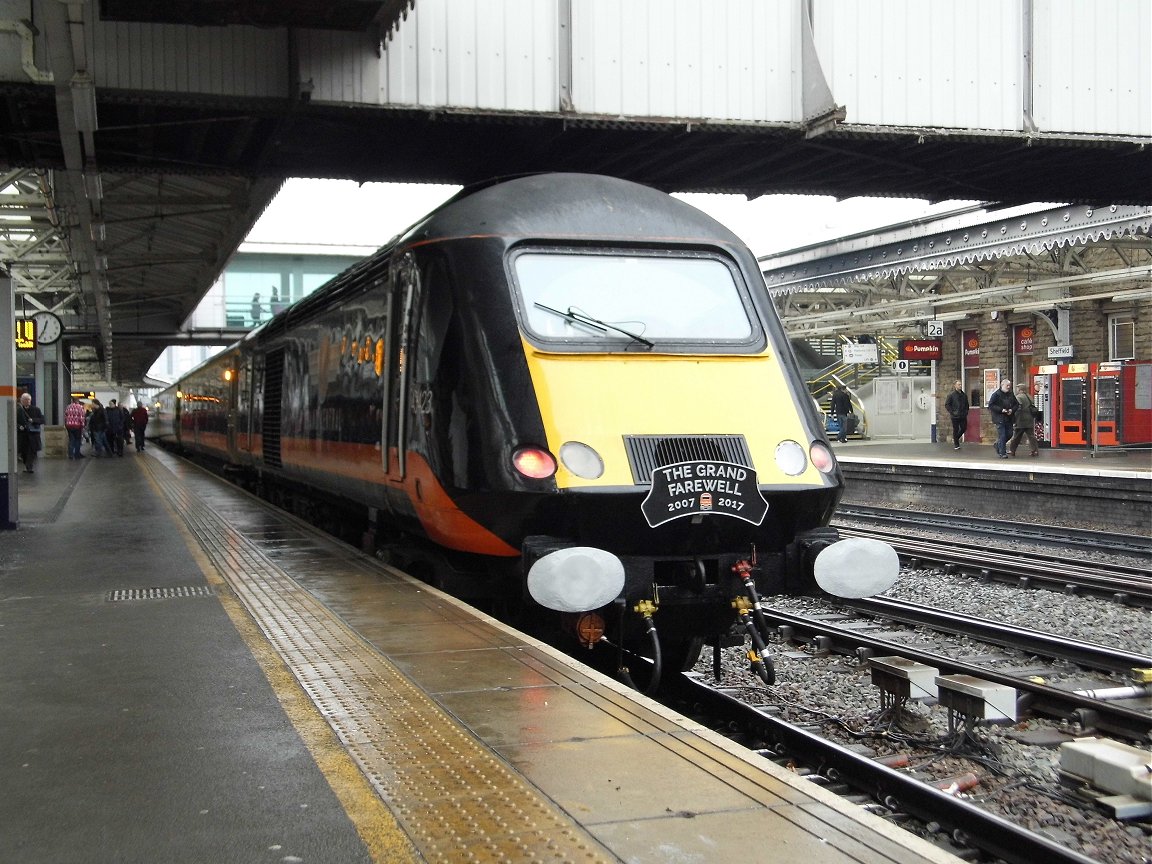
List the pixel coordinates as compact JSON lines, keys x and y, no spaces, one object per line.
{"x":577,"y":579}
{"x":856,"y":567}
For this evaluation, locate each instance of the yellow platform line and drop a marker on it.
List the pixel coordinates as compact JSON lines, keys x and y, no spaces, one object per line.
{"x":452,"y":797}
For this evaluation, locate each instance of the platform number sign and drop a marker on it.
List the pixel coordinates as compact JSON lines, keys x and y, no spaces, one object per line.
{"x":934,"y":329}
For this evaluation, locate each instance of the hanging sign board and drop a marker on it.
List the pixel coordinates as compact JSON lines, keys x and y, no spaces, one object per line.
{"x":854,"y":353}
{"x":25,"y":334}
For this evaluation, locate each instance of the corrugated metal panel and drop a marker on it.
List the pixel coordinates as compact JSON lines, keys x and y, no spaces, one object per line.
{"x":1093,"y":66}
{"x":687,"y":58}
{"x":936,"y":63}
{"x":482,"y":54}
{"x":340,"y":67}
{"x":234,"y":61}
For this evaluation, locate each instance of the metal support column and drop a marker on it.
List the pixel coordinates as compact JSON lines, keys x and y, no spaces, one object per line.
{"x":9,"y":509}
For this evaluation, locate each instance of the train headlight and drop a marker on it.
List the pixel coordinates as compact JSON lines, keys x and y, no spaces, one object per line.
{"x":790,"y":458}
{"x":821,"y":458}
{"x":581,"y":460}
{"x":534,"y":462}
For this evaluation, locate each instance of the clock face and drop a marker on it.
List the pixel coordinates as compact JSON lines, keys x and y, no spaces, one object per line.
{"x":48,"y":327}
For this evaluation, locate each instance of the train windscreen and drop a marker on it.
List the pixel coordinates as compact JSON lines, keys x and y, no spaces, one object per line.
{"x":647,"y":298}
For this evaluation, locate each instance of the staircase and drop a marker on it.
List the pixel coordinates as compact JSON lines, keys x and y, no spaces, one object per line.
{"x":824,"y":379}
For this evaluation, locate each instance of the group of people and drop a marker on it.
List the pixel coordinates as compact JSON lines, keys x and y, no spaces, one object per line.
{"x":275,"y":306}
{"x":109,"y":429}
{"x":1013,"y":413}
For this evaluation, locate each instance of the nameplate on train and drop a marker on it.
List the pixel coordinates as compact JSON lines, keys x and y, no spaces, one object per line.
{"x":704,"y":488}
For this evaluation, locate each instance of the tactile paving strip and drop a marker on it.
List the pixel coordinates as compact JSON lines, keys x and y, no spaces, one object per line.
{"x":455,"y":799}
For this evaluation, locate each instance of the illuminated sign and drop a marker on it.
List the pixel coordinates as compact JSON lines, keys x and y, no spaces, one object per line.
{"x":970,"y":340}
{"x":1024,"y":336}
{"x":25,"y":334}
{"x":920,"y":349}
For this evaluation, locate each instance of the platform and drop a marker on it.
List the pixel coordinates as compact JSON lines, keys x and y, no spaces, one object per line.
{"x":189,"y":675}
{"x":1110,"y":490}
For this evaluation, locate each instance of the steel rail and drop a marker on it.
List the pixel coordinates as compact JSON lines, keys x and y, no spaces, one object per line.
{"x":968,"y":824}
{"x":1090,"y":655}
{"x":1108,"y":716}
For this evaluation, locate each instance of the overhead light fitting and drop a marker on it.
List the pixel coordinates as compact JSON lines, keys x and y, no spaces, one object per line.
{"x":93,"y":187}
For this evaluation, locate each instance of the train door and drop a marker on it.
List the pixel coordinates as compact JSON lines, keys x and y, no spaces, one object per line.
{"x":399,"y":312}
{"x":1107,"y":417}
{"x":1042,"y":378}
{"x":1074,"y":405}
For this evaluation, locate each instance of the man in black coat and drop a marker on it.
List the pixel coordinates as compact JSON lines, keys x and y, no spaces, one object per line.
{"x":29,"y":422}
{"x":841,"y":408}
{"x":1002,"y":408}
{"x":957,"y":407}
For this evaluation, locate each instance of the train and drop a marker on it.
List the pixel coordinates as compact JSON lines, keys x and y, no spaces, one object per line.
{"x":568,"y":394}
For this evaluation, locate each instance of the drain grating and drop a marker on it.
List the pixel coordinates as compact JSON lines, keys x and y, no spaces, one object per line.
{"x":161,"y":593}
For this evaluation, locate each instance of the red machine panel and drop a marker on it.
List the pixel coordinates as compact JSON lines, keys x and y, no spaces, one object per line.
{"x":1073,"y":405}
{"x":1136,"y":402}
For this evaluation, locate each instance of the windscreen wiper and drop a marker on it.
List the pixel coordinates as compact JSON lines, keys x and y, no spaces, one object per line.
{"x":595,"y":323}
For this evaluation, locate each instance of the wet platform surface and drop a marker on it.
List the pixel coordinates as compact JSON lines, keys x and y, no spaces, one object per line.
{"x":189,"y":675}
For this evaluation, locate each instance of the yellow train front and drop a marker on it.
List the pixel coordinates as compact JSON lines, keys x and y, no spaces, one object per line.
{"x":575,"y":387}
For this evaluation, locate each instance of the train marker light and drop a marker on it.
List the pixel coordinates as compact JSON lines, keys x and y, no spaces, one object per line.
{"x":821,"y":458}
{"x":534,"y":462}
{"x":581,"y":460}
{"x":790,"y":458}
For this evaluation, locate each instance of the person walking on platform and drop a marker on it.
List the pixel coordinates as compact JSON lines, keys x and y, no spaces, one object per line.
{"x":139,"y":424}
{"x":98,"y":429}
{"x":841,"y":408}
{"x":1002,"y":408}
{"x":116,"y":428}
{"x":257,"y":310}
{"x":1025,"y":422}
{"x":29,"y":422}
{"x":74,"y":418}
{"x":957,"y":407}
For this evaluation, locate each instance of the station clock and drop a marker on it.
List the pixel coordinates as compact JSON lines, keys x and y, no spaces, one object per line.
{"x":49,"y":329}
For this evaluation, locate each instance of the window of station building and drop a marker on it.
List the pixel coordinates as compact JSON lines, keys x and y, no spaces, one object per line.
{"x":1121,"y":337}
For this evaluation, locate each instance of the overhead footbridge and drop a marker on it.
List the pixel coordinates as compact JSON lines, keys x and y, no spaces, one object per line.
{"x":142,"y":140}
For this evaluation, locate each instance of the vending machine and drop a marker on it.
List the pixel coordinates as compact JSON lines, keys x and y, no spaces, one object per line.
{"x":1073,"y":405}
{"x":1042,"y":387}
{"x":1107,"y":414}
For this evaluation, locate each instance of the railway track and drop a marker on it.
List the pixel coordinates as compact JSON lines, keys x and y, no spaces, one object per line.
{"x":826,"y":635}
{"x":1125,"y":583}
{"x":1082,"y":539}
{"x":896,"y":795}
